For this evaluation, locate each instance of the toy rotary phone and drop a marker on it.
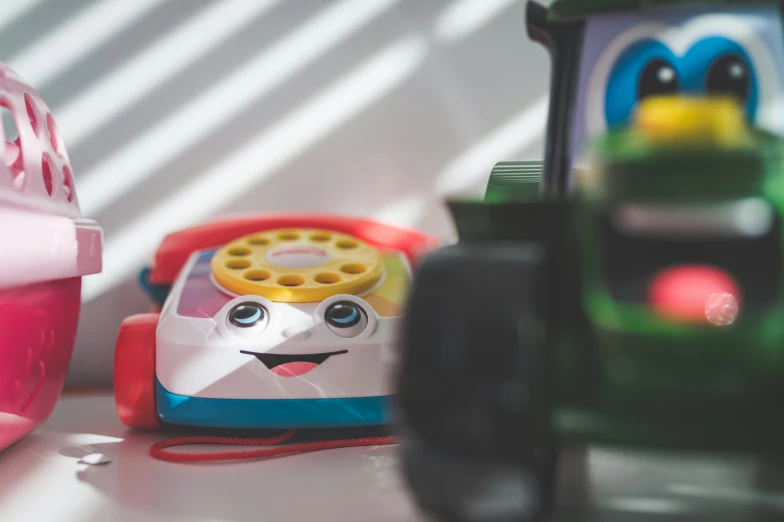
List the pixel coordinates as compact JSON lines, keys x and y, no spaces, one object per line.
{"x":268,"y":322}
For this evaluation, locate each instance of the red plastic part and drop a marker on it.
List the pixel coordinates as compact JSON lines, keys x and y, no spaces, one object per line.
{"x":134,"y":372}
{"x":178,"y":246}
{"x":37,"y":332}
{"x":684,"y":292}
{"x":159,"y":450}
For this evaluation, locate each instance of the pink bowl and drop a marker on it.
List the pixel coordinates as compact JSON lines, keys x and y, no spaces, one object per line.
{"x":37,"y":331}
{"x":45,"y":249}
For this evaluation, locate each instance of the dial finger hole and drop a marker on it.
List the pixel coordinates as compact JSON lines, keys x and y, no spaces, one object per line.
{"x":347,"y":244}
{"x":257,"y":275}
{"x":291,"y":280}
{"x":288,"y":236}
{"x":320,"y":237}
{"x":258,"y":241}
{"x":327,"y":278}
{"x":352,"y":268}
{"x":238,"y":264}
{"x":239,"y":251}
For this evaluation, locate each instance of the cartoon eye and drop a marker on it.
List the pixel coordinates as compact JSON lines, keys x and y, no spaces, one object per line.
{"x":647,"y":68}
{"x":730,"y":75}
{"x":725,"y":67}
{"x":346,"y":319}
{"x":246,"y":315}
{"x":658,"y":78}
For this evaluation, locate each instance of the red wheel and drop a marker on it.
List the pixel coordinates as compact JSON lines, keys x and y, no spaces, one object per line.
{"x":134,"y":372}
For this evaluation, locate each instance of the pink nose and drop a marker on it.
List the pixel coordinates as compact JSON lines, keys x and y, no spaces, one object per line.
{"x":696,"y":293}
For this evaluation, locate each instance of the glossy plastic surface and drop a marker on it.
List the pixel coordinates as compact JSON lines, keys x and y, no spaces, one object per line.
{"x":134,"y":371}
{"x":45,"y":248}
{"x":203,"y":358}
{"x":176,"y":248}
{"x":36,"y":175}
{"x":291,"y":366}
{"x":38,"y":247}
{"x":273,"y":413}
{"x":43,"y":234}
{"x":37,"y":332}
{"x":313,"y":260}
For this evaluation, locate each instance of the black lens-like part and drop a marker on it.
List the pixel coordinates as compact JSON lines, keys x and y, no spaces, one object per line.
{"x":246,"y":315}
{"x":729,"y":75}
{"x":658,"y":78}
{"x":343,"y":315}
{"x":346,"y":319}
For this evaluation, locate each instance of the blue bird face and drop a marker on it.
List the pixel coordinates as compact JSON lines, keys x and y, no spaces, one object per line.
{"x":712,"y":66}
{"x":737,"y":52}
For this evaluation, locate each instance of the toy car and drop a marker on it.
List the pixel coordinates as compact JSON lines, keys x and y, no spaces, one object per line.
{"x":46,"y":249}
{"x":268,"y":322}
{"x":632,"y":295}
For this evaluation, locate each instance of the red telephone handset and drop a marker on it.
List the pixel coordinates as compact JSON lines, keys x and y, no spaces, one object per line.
{"x":177,"y":247}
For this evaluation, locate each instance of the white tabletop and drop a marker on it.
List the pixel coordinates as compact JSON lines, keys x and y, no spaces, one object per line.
{"x":42,"y":480}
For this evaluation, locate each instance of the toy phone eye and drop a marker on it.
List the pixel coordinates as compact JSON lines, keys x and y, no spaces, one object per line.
{"x":346,"y":319}
{"x":247,"y":315}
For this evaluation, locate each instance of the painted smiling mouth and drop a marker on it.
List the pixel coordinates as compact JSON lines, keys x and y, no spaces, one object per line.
{"x":285,"y":365}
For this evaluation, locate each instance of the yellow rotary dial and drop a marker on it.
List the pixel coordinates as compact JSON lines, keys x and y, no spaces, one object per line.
{"x":297,"y":265}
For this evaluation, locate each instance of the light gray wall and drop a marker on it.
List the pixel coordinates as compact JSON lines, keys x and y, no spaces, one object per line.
{"x":420,"y":100}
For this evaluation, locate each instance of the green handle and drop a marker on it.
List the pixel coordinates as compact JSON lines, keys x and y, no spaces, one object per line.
{"x":514,"y":181}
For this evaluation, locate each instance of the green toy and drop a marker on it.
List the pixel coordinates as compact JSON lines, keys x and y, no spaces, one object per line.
{"x":632,"y":294}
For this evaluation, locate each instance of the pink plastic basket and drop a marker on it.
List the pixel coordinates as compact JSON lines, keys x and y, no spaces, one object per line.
{"x":45,"y":249}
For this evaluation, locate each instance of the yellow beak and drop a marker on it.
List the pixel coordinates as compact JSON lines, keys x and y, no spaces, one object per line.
{"x":689,"y":120}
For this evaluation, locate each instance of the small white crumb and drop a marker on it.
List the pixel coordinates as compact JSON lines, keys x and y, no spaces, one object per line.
{"x":95,"y":459}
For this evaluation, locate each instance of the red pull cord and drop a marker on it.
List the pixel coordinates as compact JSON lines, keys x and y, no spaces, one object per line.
{"x":159,"y":449}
